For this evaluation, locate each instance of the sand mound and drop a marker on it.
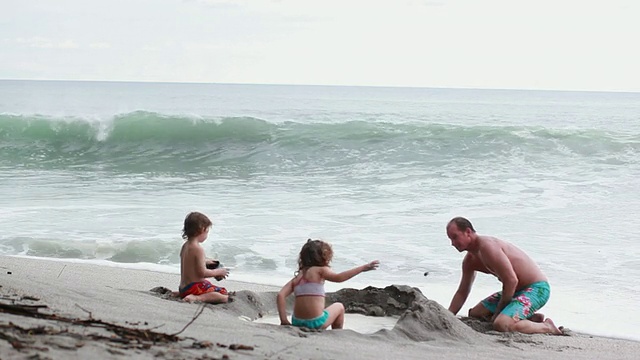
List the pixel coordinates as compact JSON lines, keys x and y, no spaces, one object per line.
{"x":372,"y":301}
{"x":478,"y":325}
{"x":421,"y":319}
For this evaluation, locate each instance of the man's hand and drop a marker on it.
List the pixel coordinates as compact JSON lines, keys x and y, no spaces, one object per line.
{"x":493,"y":318}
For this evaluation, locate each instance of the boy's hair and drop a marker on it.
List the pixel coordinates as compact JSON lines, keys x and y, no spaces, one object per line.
{"x":194,"y":224}
{"x":314,"y":253}
{"x":462,"y":223}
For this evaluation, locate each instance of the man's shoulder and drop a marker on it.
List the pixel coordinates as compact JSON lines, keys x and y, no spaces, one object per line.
{"x":486,"y":238}
{"x":470,"y":261}
{"x":486,"y":241}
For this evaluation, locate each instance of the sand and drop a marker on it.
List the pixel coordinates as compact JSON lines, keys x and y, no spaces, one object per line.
{"x":359,"y":323}
{"x":98,"y":308}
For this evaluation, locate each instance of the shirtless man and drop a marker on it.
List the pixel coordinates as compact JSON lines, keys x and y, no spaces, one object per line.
{"x":524,"y":287}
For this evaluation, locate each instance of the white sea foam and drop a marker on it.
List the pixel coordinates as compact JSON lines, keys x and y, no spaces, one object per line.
{"x":376,"y":179}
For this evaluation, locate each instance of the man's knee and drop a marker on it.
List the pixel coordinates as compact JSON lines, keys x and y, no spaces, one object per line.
{"x":473,"y":313}
{"x":479,"y":312}
{"x":503,"y":323}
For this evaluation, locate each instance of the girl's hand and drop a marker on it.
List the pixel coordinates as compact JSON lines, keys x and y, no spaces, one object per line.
{"x":372,"y":265}
{"x":285,"y":322}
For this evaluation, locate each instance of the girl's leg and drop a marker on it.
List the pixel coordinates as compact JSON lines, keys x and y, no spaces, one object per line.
{"x":336,"y":316}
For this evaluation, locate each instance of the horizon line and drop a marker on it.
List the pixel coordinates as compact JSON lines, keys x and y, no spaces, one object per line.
{"x":325,"y":85}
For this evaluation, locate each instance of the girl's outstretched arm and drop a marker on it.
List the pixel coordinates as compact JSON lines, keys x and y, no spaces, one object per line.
{"x":282,"y":302}
{"x":328,"y":274}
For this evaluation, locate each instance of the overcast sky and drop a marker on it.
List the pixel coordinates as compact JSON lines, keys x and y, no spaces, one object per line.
{"x":561,"y":44}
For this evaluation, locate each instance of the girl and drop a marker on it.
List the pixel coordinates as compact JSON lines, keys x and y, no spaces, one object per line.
{"x":308,"y":287}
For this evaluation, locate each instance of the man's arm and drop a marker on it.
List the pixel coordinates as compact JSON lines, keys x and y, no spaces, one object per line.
{"x":468,"y":276}
{"x":496,"y":259}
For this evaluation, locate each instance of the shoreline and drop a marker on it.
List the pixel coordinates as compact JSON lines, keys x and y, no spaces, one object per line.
{"x":258,"y":285}
{"x":123,"y":297}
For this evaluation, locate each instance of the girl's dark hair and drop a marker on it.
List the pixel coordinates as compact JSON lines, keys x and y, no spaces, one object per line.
{"x":314,"y":253}
{"x":462,"y":223}
{"x":194,"y":224}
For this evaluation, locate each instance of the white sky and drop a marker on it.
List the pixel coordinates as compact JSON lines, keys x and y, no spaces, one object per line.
{"x":561,"y":44}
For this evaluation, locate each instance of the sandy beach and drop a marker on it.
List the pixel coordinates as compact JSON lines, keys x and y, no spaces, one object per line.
{"x":62,"y":310}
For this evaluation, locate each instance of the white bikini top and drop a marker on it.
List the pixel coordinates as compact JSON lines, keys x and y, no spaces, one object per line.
{"x":306,"y":288}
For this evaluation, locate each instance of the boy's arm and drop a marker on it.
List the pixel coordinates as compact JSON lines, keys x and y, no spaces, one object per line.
{"x":328,"y":274}
{"x":200,"y":264}
{"x":282,"y":302}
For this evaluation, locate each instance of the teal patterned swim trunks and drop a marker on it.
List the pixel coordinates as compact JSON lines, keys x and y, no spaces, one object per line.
{"x":524,"y":303}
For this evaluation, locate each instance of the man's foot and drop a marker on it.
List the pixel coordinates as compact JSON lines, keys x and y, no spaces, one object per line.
{"x":537,"y":317}
{"x":190,"y":298}
{"x":553,"y":329}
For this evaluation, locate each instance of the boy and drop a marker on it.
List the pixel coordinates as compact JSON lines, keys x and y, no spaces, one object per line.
{"x":193,"y":271}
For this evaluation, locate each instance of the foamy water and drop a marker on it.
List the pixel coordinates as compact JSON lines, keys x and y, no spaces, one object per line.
{"x":106,"y":172}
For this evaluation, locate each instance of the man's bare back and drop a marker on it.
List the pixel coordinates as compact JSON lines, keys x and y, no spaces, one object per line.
{"x":525,"y":269}
{"x":525,"y":288}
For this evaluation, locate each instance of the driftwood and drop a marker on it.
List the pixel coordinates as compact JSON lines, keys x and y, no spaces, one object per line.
{"x":122,"y":336}
{"x":26,"y":310}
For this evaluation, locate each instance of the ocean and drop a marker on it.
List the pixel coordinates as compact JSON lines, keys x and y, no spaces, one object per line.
{"x":105,"y":172}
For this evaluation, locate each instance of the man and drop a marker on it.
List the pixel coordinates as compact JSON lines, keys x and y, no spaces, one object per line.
{"x":524,"y":287}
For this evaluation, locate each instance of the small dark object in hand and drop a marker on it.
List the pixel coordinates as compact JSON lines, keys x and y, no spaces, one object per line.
{"x":214,"y":264}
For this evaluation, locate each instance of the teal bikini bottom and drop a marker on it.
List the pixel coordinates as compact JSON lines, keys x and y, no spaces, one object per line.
{"x":315,"y":323}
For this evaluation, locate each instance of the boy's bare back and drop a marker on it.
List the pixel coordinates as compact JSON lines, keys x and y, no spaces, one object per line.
{"x":194,"y":285}
{"x":192,"y":263}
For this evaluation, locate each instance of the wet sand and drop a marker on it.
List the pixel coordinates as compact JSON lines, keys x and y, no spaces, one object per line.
{"x":77,"y":310}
